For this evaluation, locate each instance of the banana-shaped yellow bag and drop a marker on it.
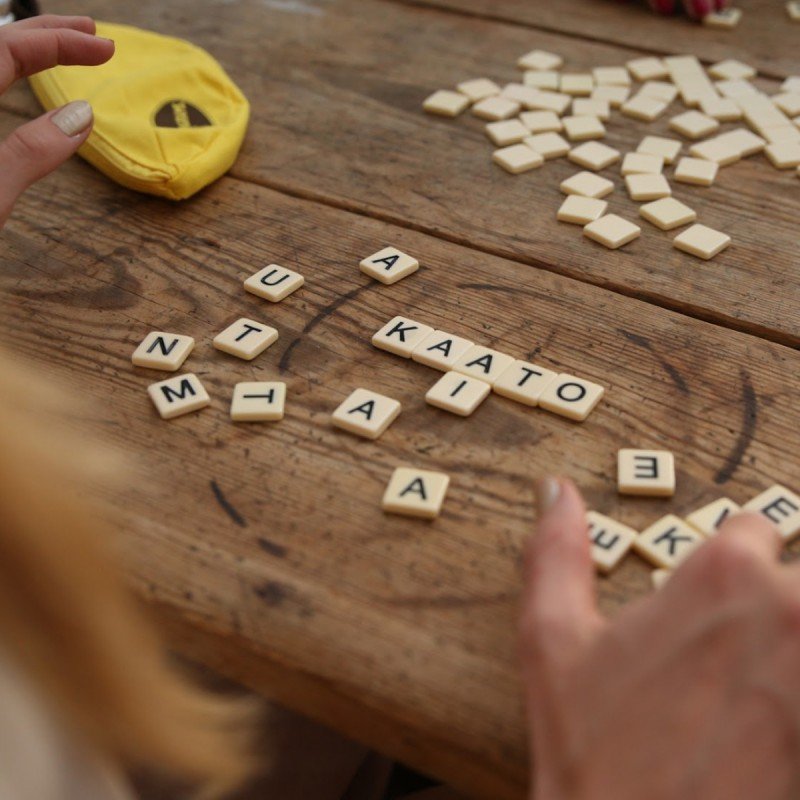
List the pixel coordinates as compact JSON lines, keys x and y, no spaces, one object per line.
{"x":168,"y":120}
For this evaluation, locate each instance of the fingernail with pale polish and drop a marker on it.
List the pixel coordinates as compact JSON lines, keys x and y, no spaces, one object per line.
{"x":547,"y":492}
{"x":73,"y":118}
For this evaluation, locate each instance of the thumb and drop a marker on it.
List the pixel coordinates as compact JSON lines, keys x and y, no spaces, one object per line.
{"x":37,"y":148}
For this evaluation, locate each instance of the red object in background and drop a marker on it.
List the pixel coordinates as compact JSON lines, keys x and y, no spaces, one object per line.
{"x":696,"y":9}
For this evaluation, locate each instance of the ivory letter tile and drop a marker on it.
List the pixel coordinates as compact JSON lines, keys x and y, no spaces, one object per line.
{"x":647,"y":187}
{"x":401,"y":335}
{"x":693,"y":124}
{"x":610,"y":540}
{"x":458,"y":393}
{"x":541,"y":79}
{"x":509,"y":131}
{"x":659,"y":577}
{"x":483,"y":363}
{"x":646,"y":472}
{"x":781,"y":507}
{"x":594,"y":155}
{"x":731,"y":69}
{"x":612,"y":231}
{"x":576,"y":83}
{"x":667,"y":213}
{"x":701,"y":241}
{"x":644,"y":107}
{"x":478,"y":89}
{"x":245,"y":339}
{"x":615,"y":96}
{"x":541,"y":121}
{"x":579,"y":129}
{"x":257,"y":401}
{"x":445,"y":103}
{"x":539,"y":59}
{"x":784,"y":155}
{"x":697,"y":171}
{"x":668,"y":149}
{"x":642,"y":163}
{"x":415,"y":493}
{"x":587,"y":185}
{"x":495,"y":108}
{"x":389,"y":265}
{"x":725,"y":19}
{"x":708,"y":519}
{"x":611,"y":76}
{"x":178,"y":395}
{"x":164,"y":351}
{"x":524,"y":382}
{"x":274,"y":283}
{"x":667,"y":542}
{"x":518,"y":158}
{"x":646,"y":69}
{"x":441,"y":350}
{"x":548,"y":145}
{"x":366,"y":413}
{"x":590,"y":107}
{"x":571,"y":397}
{"x":581,"y":210}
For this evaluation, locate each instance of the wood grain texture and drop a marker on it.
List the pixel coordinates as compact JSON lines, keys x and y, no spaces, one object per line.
{"x":263,"y":547}
{"x":336,"y":97}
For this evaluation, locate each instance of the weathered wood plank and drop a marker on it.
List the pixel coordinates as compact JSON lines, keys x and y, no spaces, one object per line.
{"x":265,"y":545}
{"x":336,"y":100}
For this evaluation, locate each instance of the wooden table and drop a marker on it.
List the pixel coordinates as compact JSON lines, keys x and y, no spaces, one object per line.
{"x":263,"y":548}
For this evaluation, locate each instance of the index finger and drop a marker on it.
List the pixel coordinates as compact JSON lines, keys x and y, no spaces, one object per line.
{"x":83,"y":24}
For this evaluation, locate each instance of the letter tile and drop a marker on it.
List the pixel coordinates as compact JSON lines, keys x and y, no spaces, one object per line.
{"x":245,"y":339}
{"x":484,"y":363}
{"x":366,"y":413}
{"x":667,"y":542}
{"x":389,"y":265}
{"x":401,"y":335}
{"x":257,"y":401}
{"x":441,"y":350}
{"x":164,"y":351}
{"x":523,"y":381}
{"x":708,"y":518}
{"x":415,"y":493}
{"x":274,"y":283}
{"x":178,"y":395}
{"x":458,"y":393}
{"x":646,"y":472}
{"x":610,"y":540}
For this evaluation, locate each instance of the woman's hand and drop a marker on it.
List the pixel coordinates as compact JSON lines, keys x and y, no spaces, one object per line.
{"x":696,"y":9}
{"x":691,"y":692}
{"x":37,"y":148}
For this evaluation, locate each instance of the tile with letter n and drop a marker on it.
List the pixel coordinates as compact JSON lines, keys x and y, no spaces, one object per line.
{"x":389,"y":265}
{"x":610,"y":540}
{"x":179,"y":395}
{"x":258,"y":401}
{"x":646,"y":472}
{"x":245,"y":338}
{"x":667,"y":542}
{"x":274,"y":283}
{"x":415,"y":492}
{"x":366,"y":413}
{"x":781,"y":507}
{"x":164,"y":351}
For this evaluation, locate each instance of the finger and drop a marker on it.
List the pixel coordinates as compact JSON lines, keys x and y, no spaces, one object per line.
{"x":721,"y":4}
{"x":83,"y":24}
{"x":37,"y":148}
{"x":25,"y":52}
{"x":560,"y":612}
{"x":697,"y":9}
{"x":753,"y":533}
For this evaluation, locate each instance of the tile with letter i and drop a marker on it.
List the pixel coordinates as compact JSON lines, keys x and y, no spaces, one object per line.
{"x":571,"y":397}
{"x":523,"y":382}
{"x":164,"y":351}
{"x":458,"y":393}
{"x":667,"y":542}
{"x":274,"y":283}
{"x":709,"y":518}
{"x":389,"y":265}
{"x":484,"y":363}
{"x":415,"y":493}
{"x":366,"y":413}
{"x":610,"y":540}
{"x":179,"y":395}
{"x":441,"y":350}
{"x":401,"y":336}
{"x":781,"y":507}
{"x":245,"y":339}
{"x":649,"y":473}
{"x":258,"y":401}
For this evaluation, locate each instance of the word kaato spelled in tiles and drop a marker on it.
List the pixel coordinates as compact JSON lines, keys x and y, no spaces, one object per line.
{"x":523,"y":382}
{"x":401,"y":336}
{"x":541,"y":121}
{"x":445,"y":103}
{"x":507,"y":132}
{"x":649,"y":473}
{"x":667,"y":542}
{"x":478,"y":89}
{"x":781,"y":507}
{"x":366,"y":413}
{"x":258,"y":401}
{"x":539,"y":59}
{"x":644,"y":107}
{"x":164,"y":351}
{"x":730,"y":68}
{"x":484,"y":363}
{"x":179,"y":395}
{"x":541,"y":79}
{"x":441,"y":350}
{"x":245,"y":339}
{"x":547,"y":145}
{"x":647,"y":187}
{"x":389,"y":265}
{"x":415,"y":493}
{"x":708,"y":519}
{"x":668,"y":149}
{"x":667,"y":213}
{"x":697,"y":171}
{"x":726,"y":19}
{"x":594,"y":155}
{"x":517,"y":158}
{"x":693,"y":124}
{"x":646,"y":69}
{"x":611,"y":76}
{"x":612,"y":231}
{"x":610,"y":540}
{"x":579,"y":129}
{"x":587,"y":185}
{"x":571,"y":397}
{"x":581,"y":210}
{"x":274,"y":283}
{"x":701,"y":241}
{"x":458,"y":393}
{"x":642,"y":163}
{"x":496,"y":108}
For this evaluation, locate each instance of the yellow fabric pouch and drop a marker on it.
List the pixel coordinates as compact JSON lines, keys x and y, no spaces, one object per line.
{"x":168,"y":120}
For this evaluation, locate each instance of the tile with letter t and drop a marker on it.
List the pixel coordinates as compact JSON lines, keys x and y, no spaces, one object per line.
{"x":258,"y":401}
{"x":366,"y":413}
{"x":415,"y":493}
{"x":274,"y":283}
{"x":401,"y":336}
{"x":610,"y":540}
{"x":179,"y":395}
{"x":571,"y":397}
{"x":164,"y":351}
{"x":523,"y":382}
{"x":709,"y":518}
{"x":781,"y":507}
{"x":667,"y":542}
{"x":441,"y":350}
{"x":389,"y":265}
{"x":649,"y":473}
{"x":458,"y":393}
{"x":245,"y":339}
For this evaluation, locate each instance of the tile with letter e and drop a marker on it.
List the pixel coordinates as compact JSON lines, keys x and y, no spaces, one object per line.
{"x":389,"y":265}
{"x":484,"y":363}
{"x":646,"y":472}
{"x":401,"y":335}
{"x":415,"y":492}
{"x":571,"y":397}
{"x":179,"y":395}
{"x":667,"y":542}
{"x":245,"y":339}
{"x":708,"y":519}
{"x":781,"y":507}
{"x":441,"y":350}
{"x":258,"y":401}
{"x":523,"y":382}
{"x":366,"y":413}
{"x":610,"y":540}
{"x":164,"y":351}
{"x":458,"y":393}
{"x":274,"y":283}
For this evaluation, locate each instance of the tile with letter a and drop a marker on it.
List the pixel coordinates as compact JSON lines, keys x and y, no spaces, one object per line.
{"x":781,"y":507}
{"x":667,"y":542}
{"x":484,"y":363}
{"x":610,"y":540}
{"x":164,"y":351}
{"x":401,"y":335}
{"x":179,"y":395}
{"x":709,"y":518}
{"x":389,"y":265}
{"x":441,"y":350}
{"x":458,"y":393}
{"x":415,"y":492}
{"x":245,"y":339}
{"x":571,"y":397}
{"x":274,"y":283}
{"x":649,"y":473}
{"x":366,"y":413}
{"x":523,"y":382}
{"x":258,"y":401}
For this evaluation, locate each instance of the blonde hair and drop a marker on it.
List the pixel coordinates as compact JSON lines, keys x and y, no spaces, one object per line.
{"x":68,"y":620}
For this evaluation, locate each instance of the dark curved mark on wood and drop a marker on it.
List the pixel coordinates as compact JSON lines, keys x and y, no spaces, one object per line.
{"x":746,"y":433}
{"x":273,"y":548}
{"x":226,"y":506}
{"x":672,"y":371}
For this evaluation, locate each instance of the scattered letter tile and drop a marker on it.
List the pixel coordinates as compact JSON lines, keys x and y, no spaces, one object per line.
{"x":400,"y":336}
{"x":245,"y":338}
{"x":164,"y":351}
{"x":366,"y":413}
{"x":458,"y":393}
{"x":257,"y":401}
{"x":708,"y":519}
{"x":416,"y":493}
{"x":441,"y":350}
{"x":389,"y":265}
{"x":646,"y":472}
{"x":274,"y":283}
{"x":179,"y":395}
